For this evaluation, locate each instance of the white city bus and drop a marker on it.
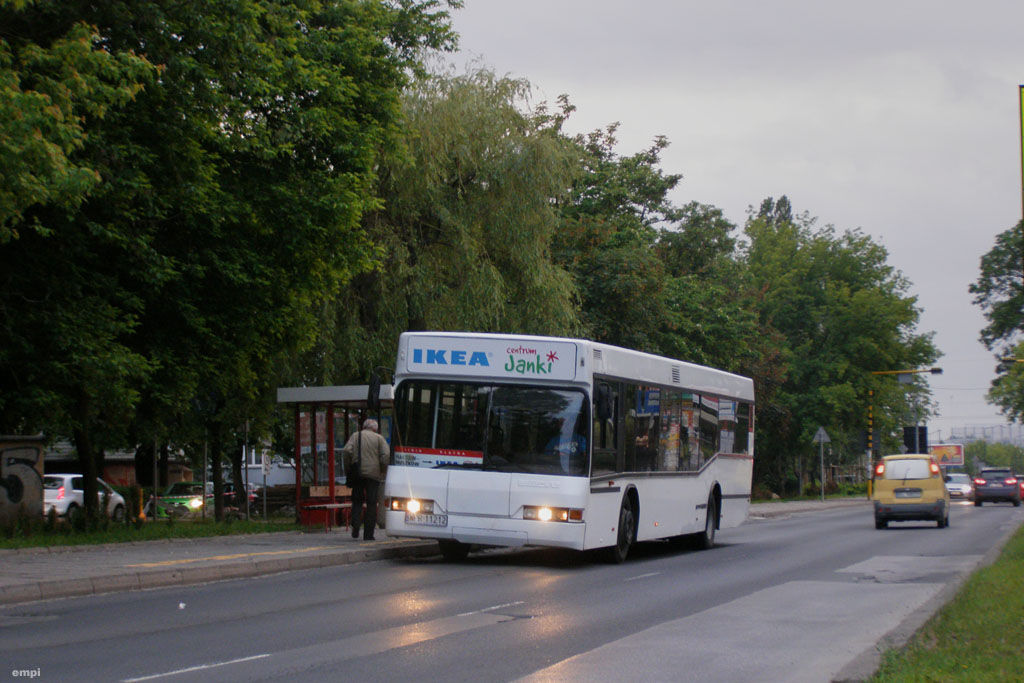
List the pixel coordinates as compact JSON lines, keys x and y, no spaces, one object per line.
{"x":508,"y":440}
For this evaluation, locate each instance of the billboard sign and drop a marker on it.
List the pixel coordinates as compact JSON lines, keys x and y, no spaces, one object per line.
{"x":948,"y":454}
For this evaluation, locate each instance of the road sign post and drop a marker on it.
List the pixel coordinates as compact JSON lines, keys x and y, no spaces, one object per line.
{"x":821,"y":438}
{"x":266,"y":471}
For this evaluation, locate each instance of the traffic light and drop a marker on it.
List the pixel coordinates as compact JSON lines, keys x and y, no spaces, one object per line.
{"x":918,"y":445}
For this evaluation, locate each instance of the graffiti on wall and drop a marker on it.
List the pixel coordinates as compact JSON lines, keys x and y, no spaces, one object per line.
{"x":21,"y":477}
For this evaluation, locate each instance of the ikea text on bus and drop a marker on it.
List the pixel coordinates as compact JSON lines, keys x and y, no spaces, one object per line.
{"x":506,"y":440}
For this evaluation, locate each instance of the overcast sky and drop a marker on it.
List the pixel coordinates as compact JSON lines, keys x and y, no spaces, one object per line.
{"x":897,"y":118}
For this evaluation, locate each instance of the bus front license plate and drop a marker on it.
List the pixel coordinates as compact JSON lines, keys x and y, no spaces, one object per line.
{"x":428,"y":520}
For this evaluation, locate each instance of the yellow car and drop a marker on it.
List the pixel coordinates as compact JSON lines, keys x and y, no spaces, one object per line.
{"x":909,"y":487}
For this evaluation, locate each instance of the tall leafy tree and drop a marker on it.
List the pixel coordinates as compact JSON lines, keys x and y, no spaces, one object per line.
{"x":66,"y":311}
{"x":464,"y":226}
{"x":709,"y":314}
{"x":51,"y":87}
{"x":227,"y":205}
{"x":839,"y":313}
{"x":652,"y":275}
{"x":607,"y":239}
{"x":999,"y":290}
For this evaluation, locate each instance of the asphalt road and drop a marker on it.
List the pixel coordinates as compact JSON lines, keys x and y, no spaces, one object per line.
{"x":802,"y":597}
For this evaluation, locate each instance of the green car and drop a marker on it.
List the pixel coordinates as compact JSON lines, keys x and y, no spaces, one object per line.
{"x":182,"y":498}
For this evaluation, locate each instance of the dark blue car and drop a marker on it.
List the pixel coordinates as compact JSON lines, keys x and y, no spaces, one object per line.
{"x":996,"y":485}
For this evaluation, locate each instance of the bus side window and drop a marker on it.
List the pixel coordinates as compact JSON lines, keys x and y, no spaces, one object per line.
{"x":742,"y":443}
{"x":708,"y":428}
{"x":669,"y":441}
{"x":690,"y":428}
{"x":630,"y":423}
{"x":605,"y":430}
{"x":648,"y":429}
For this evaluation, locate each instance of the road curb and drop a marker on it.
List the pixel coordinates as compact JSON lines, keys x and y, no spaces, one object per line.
{"x":785,"y":509}
{"x":223,"y":571}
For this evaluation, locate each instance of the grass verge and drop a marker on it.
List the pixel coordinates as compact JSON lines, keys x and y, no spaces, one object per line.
{"x":978,"y":636}
{"x":43,"y":536}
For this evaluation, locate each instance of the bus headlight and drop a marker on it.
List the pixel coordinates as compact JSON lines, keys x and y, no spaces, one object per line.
{"x":542,"y":513}
{"x":412,"y":505}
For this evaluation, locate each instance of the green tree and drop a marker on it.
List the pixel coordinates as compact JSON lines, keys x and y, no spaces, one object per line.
{"x":51,"y":88}
{"x":978,"y":454}
{"x":999,"y":290}
{"x":1007,"y":389}
{"x":709,"y":319}
{"x":228,"y":207}
{"x":607,"y":239}
{"x":838,"y":312}
{"x":463,"y":230}
{"x":652,"y":275}
{"x":65,"y":312}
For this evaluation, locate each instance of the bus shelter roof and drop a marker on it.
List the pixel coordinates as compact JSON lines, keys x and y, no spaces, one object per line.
{"x":351,"y":395}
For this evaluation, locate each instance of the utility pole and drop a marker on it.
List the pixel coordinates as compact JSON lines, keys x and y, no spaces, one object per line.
{"x":244,"y":495}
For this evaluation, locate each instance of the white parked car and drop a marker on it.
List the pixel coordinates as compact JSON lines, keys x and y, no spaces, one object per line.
{"x":64,"y":493}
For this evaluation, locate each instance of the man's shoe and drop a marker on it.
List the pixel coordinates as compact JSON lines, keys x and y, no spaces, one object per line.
{"x":368,"y":538}
{"x":355,"y":534}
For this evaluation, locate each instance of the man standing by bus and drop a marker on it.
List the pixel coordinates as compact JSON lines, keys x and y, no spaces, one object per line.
{"x":369,"y":451}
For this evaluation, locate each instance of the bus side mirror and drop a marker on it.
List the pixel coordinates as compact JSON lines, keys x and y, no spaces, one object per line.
{"x":373,"y":393}
{"x":603,"y":402}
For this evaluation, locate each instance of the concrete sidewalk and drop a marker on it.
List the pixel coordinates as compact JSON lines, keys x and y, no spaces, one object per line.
{"x":67,"y":571}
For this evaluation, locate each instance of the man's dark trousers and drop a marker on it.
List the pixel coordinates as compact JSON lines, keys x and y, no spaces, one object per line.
{"x":366,"y":491}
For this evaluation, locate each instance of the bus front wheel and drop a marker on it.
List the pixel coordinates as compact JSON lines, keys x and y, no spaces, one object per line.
{"x":626,"y":533}
{"x":453,"y":551}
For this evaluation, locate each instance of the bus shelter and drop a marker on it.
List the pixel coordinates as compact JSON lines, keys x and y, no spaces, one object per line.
{"x":325,"y":417}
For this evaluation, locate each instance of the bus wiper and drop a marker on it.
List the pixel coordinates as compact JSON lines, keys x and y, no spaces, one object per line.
{"x":502,"y":467}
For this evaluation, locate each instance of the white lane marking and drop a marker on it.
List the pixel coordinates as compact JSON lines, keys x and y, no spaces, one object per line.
{"x":491,"y":608}
{"x":201,"y":667}
{"x":642,"y":576}
{"x":369,"y":643}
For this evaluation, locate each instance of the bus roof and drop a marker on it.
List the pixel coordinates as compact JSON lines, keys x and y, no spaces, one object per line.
{"x":554,"y":359}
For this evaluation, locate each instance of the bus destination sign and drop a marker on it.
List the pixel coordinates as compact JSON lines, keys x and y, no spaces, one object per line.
{"x":499,"y":358}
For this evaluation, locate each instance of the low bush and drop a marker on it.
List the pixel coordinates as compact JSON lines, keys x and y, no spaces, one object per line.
{"x":760,"y":492}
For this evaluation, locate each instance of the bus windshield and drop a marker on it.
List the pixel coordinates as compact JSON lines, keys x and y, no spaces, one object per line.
{"x":504,"y":428}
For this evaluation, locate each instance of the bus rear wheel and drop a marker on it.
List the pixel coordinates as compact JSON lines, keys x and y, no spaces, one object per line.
{"x":706,"y":538}
{"x":626,"y":533}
